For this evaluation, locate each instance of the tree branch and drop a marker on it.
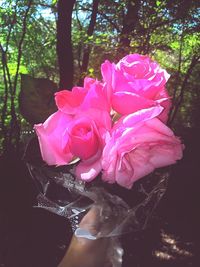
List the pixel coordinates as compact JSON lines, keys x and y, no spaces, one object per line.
{"x":24,"y":23}
{"x":180,"y":98}
{"x":90,"y":30}
{"x":4,"y":109}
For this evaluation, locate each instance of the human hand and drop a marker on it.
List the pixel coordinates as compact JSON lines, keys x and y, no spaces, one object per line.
{"x":84,"y":252}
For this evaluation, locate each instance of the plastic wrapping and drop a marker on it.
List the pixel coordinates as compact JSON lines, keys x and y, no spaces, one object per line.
{"x":119,"y":210}
{"x":60,"y":192}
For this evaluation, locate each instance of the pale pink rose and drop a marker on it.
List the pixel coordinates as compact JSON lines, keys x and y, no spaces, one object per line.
{"x":134,"y":83}
{"x":139,"y":144}
{"x":91,"y":95}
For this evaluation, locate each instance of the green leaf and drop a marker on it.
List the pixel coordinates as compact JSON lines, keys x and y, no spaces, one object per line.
{"x":54,"y":2}
{"x":158,"y":3}
{"x":91,"y":70}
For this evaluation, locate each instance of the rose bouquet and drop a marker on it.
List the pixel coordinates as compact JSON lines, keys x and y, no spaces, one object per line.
{"x":112,"y":130}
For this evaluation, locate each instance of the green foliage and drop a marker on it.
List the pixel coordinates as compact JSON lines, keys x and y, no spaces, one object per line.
{"x":158,"y":3}
{"x":40,"y":55}
{"x":27,"y":47}
{"x":166,"y":30}
{"x":54,"y":2}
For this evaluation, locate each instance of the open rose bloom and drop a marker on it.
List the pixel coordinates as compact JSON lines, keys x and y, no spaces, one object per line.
{"x":115,"y":131}
{"x":115,"y":126}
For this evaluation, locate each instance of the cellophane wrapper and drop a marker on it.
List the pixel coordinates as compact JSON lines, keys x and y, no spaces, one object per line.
{"x":120,"y":211}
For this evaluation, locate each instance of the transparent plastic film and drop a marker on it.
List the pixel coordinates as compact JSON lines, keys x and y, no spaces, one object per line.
{"x":66,"y":196}
{"x":61,"y":193}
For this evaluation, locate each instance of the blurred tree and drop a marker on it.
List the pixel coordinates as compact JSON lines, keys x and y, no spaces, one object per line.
{"x":129,"y":24}
{"x":64,"y":44}
{"x":90,"y":30}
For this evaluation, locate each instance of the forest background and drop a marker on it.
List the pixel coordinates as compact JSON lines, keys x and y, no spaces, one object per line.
{"x":50,"y":45}
{"x":63,"y":41}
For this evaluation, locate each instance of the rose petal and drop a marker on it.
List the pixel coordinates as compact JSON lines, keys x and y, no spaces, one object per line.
{"x":165,"y":155}
{"x":138,"y":117}
{"x":69,"y":101}
{"x":126,"y":102}
{"x":50,"y":136}
{"x":87,"y":170}
{"x":96,"y":97}
{"x":83,"y":141}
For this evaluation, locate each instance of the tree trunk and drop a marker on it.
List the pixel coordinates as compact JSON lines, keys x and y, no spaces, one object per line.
{"x":129,"y":23}
{"x":86,"y":52}
{"x":64,"y":44}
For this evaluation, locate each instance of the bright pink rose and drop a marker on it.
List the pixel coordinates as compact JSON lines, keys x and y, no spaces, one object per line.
{"x":63,"y":138}
{"x":80,"y":99}
{"x":78,"y":130}
{"x":134,"y":83}
{"x":69,"y":101}
{"x":53,"y":139}
{"x":83,"y":138}
{"x":139,"y":143}
{"x":86,"y":141}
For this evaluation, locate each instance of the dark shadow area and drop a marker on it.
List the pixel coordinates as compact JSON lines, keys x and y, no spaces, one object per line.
{"x":173,"y":238}
{"x":33,"y":237}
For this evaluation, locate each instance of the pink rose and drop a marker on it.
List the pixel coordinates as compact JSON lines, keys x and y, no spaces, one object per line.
{"x":86,"y":141}
{"x":134,"y":83}
{"x":69,"y":101}
{"x":78,"y":129}
{"x":139,"y":144}
{"x":53,"y":139}
{"x":83,"y":138}
{"x":81,"y":99}
{"x":63,"y":138}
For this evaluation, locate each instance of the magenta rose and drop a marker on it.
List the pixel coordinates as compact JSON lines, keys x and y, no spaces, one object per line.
{"x":92,"y":95}
{"x":134,"y":83}
{"x":139,"y":144}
